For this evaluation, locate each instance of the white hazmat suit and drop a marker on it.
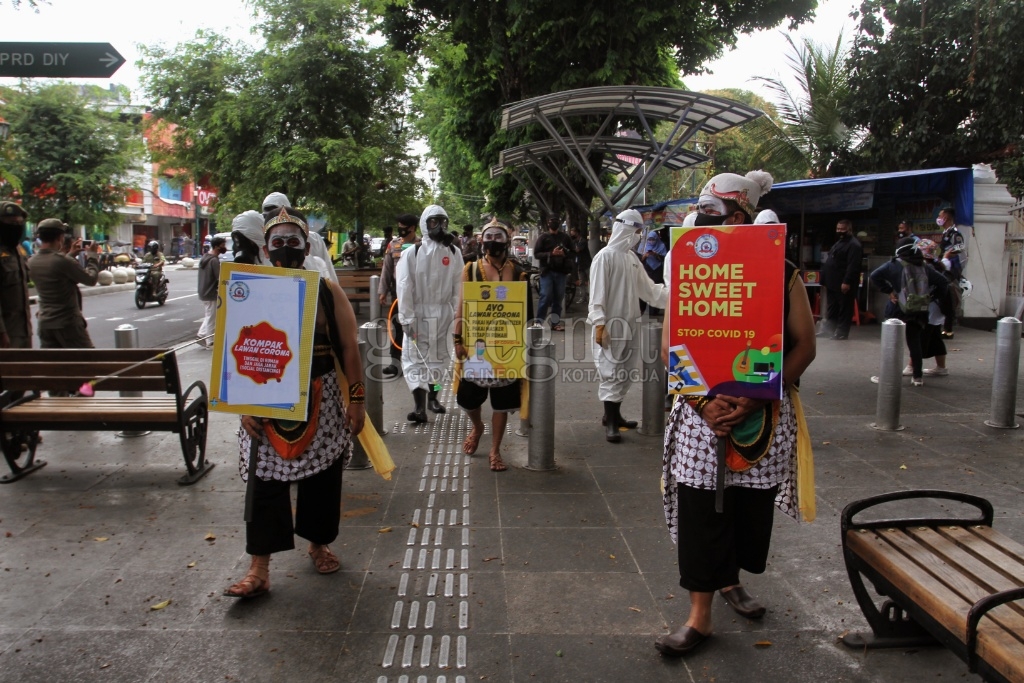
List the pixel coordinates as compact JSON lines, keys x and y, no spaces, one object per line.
{"x":428,"y":280}
{"x":617,"y":284}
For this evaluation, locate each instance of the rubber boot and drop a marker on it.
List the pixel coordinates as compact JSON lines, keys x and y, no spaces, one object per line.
{"x":435,"y":405}
{"x":420,"y":414}
{"x":611,"y":427}
{"x":619,"y":420}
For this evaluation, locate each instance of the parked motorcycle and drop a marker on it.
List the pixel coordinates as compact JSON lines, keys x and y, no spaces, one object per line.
{"x":150,"y":285}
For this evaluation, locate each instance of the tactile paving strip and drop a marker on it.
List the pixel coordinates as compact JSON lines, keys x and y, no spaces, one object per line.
{"x":435,"y":562}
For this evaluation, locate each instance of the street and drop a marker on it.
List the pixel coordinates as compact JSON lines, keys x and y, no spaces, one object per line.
{"x":176,"y":321}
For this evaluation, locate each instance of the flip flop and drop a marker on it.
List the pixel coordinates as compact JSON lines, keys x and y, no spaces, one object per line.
{"x":472,"y":442}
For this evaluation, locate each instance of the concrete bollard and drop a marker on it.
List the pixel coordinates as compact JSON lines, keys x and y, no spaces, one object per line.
{"x":540,"y":369}
{"x":654,"y":387}
{"x":534,"y":337}
{"x":374,"y":300}
{"x":359,"y":460}
{"x":127,"y":337}
{"x":890,"y":377}
{"x":1004,"y":375}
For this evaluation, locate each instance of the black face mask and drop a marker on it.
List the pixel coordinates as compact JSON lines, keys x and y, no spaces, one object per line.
{"x":287,"y":257}
{"x":244,"y":249}
{"x":708,"y":219}
{"x":11,"y":235}
{"x":495,"y":248}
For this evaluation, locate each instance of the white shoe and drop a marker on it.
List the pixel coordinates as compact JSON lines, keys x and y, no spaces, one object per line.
{"x":908,"y":371}
{"x":874,"y":379}
{"x":936,"y":372}
{"x":917,"y":382}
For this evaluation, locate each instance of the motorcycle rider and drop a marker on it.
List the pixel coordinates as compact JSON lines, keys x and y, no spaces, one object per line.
{"x":156,"y":259}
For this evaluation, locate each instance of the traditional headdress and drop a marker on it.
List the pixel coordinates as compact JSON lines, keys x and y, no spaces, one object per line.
{"x":285,"y":217}
{"x":744,"y":190}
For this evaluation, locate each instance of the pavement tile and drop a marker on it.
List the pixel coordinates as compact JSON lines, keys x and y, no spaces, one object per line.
{"x":44,"y":655}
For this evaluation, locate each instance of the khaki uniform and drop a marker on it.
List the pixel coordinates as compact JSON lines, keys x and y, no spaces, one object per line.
{"x":61,"y":323}
{"x":14,"y":306}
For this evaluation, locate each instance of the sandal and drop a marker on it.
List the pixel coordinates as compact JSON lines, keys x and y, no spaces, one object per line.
{"x":497,"y":464}
{"x":249,"y":587}
{"x":472,"y":441}
{"x":558,"y":327}
{"x":325,"y":561}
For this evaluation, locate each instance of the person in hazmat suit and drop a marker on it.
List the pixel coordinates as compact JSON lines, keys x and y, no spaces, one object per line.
{"x":429,"y":281}
{"x":618,"y":282}
{"x":247,"y":238}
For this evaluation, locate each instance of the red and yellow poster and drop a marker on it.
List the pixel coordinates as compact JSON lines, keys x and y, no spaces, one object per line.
{"x":726,"y":310}
{"x":493,"y":326}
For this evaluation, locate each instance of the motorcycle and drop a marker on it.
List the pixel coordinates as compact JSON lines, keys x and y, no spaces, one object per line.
{"x":150,"y":285}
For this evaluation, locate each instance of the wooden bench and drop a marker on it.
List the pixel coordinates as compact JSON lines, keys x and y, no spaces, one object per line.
{"x":355,"y":282}
{"x":24,"y":411}
{"x":949,"y":581}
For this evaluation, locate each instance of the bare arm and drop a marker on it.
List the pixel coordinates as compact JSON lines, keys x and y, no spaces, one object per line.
{"x":351,"y":364}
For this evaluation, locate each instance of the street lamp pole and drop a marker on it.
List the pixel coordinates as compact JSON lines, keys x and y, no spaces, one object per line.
{"x":195,"y":198}
{"x":433,"y":183}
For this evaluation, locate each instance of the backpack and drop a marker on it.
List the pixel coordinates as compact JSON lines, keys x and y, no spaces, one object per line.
{"x":915,"y":292}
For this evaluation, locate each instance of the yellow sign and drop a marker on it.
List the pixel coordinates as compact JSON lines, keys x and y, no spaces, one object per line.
{"x":493,"y":329}
{"x":263,"y":345}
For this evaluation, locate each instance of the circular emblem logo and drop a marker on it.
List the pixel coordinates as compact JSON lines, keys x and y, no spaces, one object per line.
{"x":706,"y":246}
{"x":446,"y":260}
{"x":238,"y":291}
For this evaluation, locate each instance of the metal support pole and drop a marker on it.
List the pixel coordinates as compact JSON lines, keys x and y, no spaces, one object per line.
{"x":890,"y":377}
{"x":374,"y":300}
{"x":541,"y":371}
{"x":373,"y":377}
{"x":534,"y":338}
{"x":359,"y":460}
{"x":1004,"y":377}
{"x":654,"y":387}
{"x":127,"y":337}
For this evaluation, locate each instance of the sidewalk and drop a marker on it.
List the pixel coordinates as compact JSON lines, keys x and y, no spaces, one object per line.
{"x":454,"y":573}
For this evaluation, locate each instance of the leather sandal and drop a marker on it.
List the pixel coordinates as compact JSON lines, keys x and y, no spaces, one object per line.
{"x":325,"y":561}
{"x":472,"y":441}
{"x":743,"y":603}
{"x":680,"y":643}
{"x":497,"y":464}
{"x":251,"y":586}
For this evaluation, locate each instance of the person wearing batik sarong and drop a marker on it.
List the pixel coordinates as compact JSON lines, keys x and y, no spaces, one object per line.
{"x":274,"y":454}
{"x":714,"y":547}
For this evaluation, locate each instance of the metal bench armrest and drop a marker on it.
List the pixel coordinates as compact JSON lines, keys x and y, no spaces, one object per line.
{"x":983,"y":506}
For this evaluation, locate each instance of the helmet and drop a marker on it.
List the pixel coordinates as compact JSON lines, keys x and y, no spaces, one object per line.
{"x":154,"y":246}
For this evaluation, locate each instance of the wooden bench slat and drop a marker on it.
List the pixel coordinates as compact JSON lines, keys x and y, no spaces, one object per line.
{"x":1001,"y":651}
{"x":1004,"y":550}
{"x":982,"y":544}
{"x":122,"y":356}
{"x":945,"y":605}
{"x":95,"y":369}
{"x":73,"y":384}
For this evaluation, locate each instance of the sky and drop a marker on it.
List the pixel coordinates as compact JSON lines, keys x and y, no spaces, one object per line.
{"x":127,"y":23}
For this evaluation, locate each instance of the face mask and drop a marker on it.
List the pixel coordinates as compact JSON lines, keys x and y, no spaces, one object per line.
{"x":479,"y":353}
{"x":287,"y":257}
{"x":437,"y":227}
{"x":843,"y":235}
{"x":10,"y":235}
{"x":939,"y":222}
{"x":708,"y":219}
{"x":495,"y":248}
{"x":634,"y":240}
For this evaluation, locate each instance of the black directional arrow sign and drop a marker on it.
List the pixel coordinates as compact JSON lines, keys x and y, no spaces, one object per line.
{"x":59,"y":60}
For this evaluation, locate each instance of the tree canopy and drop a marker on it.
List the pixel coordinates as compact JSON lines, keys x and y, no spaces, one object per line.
{"x":71,"y":156}
{"x":937,"y":84}
{"x":312,"y":113}
{"x":482,"y":56}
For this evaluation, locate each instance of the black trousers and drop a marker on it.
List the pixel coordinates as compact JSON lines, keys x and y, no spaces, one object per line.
{"x":839,"y":311}
{"x":714,"y":547}
{"x":915,"y":338}
{"x":317,"y":512}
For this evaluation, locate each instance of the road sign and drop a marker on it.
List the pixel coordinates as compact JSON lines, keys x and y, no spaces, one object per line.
{"x":59,"y":60}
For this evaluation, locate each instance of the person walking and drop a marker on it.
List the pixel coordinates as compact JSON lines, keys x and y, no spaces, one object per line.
{"x":429,"y":280}
{"x":618,"y":282}
{"x":954,"y":251}
{"x":554,"y":251}
{"x":841,"y":278}
{"x":312,"y":453}
{"x":209,"y":280}
{"x":15,"y":323}
{"x":387,"y":289}
{"x":713,"y":548}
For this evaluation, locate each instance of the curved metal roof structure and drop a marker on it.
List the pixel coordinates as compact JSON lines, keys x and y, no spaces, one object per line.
{"x":637,"y":106}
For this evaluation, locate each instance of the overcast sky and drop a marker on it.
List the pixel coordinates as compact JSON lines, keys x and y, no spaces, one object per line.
{"x":126,"y":23}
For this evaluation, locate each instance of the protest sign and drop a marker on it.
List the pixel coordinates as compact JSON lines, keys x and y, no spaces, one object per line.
{"x":726,"y":310}
{"x":263,"y":346}
{"x":493,"y":328}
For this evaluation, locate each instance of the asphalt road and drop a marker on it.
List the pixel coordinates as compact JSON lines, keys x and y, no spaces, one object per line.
{"x":176,"y":321}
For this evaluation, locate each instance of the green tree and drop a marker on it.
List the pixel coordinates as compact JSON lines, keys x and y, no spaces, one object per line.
{"x":71,"y":155}
{"x":938,"y":84}
{"x":809,"y":134}
{"x":484,"y":55}
{"x":312,"y":113}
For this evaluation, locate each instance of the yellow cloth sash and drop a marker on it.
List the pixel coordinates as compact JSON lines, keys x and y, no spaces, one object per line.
{"x":804,"y":461}
{"x":369,"y":437}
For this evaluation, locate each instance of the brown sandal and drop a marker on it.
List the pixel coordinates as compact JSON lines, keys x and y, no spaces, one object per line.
{"x":325,"y":561}
{"x":497,"y":464}
{"x":256,"y":581}
{"x":472,"y":442}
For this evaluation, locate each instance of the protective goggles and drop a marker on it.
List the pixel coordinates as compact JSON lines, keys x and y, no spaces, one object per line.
{"x":437,"y":222}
